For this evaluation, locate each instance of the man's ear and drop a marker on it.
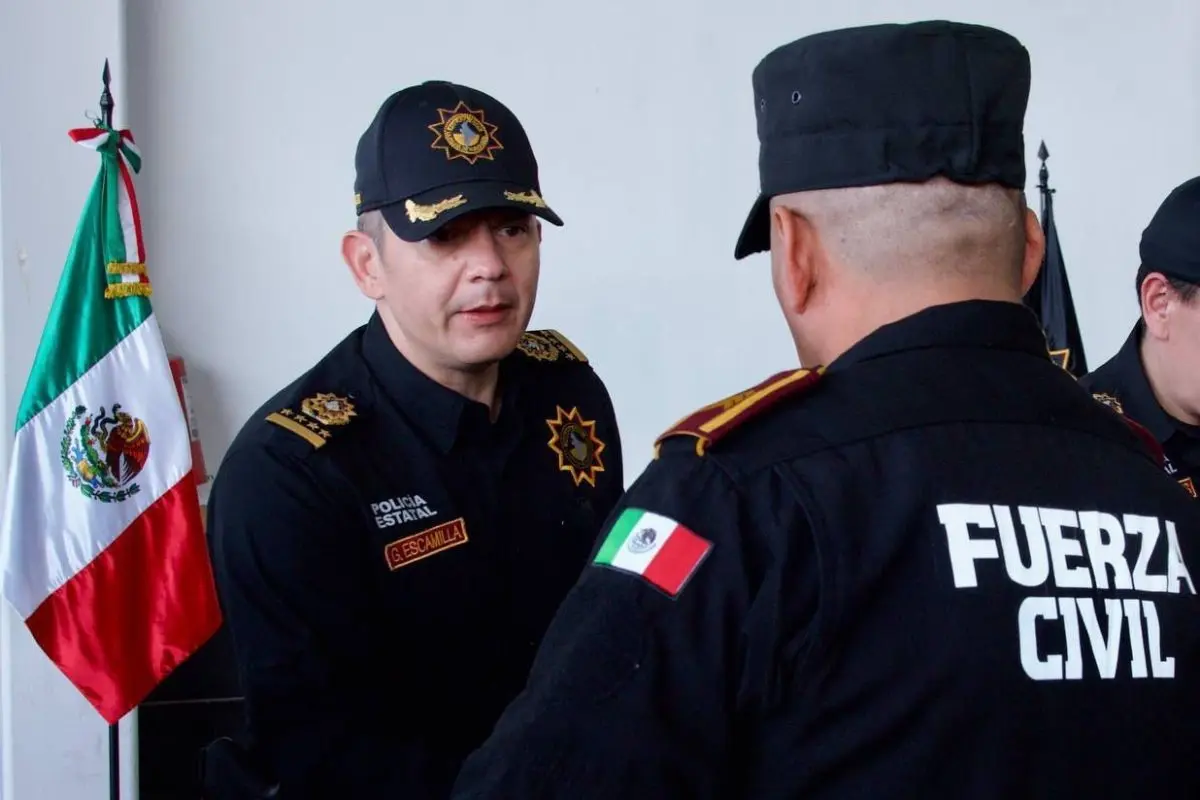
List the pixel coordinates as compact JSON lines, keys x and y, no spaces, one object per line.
{"x":366,"y":266}
{"x":1035,"y":250}
{"x":1156,"y":296}
{"x":795,"y":257}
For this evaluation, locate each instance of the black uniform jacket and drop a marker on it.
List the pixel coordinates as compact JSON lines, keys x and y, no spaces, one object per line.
{"x":936,"y":569}
{"x":1121,"y":383}
{"x":388,"y":559}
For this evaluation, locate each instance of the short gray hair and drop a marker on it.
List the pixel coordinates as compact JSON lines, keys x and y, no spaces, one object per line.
{"x":947,"y":227}
{"x":373,"y":225}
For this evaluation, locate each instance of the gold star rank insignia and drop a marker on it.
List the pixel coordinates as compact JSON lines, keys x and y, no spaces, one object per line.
{"x":573,"y":439}
{"x":464,"y":133}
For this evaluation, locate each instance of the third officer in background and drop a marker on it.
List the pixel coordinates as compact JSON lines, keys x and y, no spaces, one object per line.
{"x":1155,"y":377}
{"x":927,"y":564}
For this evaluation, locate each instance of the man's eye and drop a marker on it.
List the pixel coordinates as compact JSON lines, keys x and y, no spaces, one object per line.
{"x":515,"y":228}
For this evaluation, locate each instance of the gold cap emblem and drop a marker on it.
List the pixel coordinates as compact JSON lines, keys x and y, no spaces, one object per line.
{"x":465,"y":133}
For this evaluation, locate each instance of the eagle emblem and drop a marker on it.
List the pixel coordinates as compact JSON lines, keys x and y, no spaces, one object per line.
{"x":103,"y":452}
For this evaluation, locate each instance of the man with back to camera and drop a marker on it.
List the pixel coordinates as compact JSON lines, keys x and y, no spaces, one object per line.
{"x":927,"y":565}
{"x":1155,"y":376}
{"x":392,"y":531}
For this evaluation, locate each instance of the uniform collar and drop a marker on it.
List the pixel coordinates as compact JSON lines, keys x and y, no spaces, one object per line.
{"x":442,"y":414}
{"x":1137,"y":398}
{"x":987,"y":324}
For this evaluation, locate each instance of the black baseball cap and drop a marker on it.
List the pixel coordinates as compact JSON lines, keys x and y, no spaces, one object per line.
{"x":887,"y":103}
{"x":1171,"y":242}
{"x":439,"y":150}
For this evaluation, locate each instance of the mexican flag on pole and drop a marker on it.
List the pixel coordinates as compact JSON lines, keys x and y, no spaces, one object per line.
{"x":102,"y":548}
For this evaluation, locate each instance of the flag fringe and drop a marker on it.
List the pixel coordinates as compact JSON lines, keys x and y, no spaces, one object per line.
{"x":116,"y":290}
{"x":126,"y":268}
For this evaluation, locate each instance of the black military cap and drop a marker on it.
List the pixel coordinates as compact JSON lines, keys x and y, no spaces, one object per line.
{"x":438,"y":150}
{"x":884,"y":104}
{"x":1171,"y":242}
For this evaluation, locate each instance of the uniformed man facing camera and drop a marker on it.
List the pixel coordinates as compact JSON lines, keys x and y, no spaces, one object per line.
{"x":1155,"y":376}
{"x":393,"y":531}
{"x":927,"y":564}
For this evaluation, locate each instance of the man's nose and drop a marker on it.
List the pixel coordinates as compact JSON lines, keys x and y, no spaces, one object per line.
{"x":485,"y":260}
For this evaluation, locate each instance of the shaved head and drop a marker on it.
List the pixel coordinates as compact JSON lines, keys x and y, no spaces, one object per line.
{"x":845,"y":261}
{"x":909,"y":231}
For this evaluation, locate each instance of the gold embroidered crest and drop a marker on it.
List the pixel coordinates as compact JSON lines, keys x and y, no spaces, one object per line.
{"x":464,"y":133}
{"x":428,"y":213}
{"x":531,"y":197}
{"x":328,"y":409}
{"x":549,"y":345}
{"x":1189,"y":485}
{"x":1110,"y":401}
{"x":573,"y":439}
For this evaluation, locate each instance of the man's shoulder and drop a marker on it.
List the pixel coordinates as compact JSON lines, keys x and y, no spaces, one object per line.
{"x":320,"y":408}
{"x":552,"y":362}
{"x":718,"y":424}
{"x":549,"y":348}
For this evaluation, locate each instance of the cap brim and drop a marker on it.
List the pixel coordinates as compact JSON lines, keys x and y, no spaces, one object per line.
{"x":421,"y":216}
{"x":756,"y":231}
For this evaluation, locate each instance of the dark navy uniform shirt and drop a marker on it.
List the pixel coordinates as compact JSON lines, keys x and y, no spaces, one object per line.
{"x":1121,"y":383}
{"x":388,"y":559}
{"x":938,"y":569}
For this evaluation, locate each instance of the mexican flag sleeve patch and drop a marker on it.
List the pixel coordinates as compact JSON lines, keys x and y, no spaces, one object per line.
{"x":662,"y":551}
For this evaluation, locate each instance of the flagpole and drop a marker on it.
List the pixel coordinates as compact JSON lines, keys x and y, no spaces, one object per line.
{"x":114,"y":733}
{"x":1044,"y":177}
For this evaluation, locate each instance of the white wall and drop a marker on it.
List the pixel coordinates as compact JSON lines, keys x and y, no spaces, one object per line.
{"x":248,"y":117}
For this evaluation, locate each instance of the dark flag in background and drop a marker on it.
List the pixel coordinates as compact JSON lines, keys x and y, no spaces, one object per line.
{"x":1050,"y":295}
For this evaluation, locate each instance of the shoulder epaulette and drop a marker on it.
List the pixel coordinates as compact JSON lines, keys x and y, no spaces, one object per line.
{"x":315,"y":417}
{"x":550,"y":345}
{"x":714,"y":421}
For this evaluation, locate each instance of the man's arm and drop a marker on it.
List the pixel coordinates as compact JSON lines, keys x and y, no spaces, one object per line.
{"x":634,"y":690}
{"x":292,"y":583}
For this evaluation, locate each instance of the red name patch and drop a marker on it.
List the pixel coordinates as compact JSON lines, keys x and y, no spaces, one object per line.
{"x":417,"y":546}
